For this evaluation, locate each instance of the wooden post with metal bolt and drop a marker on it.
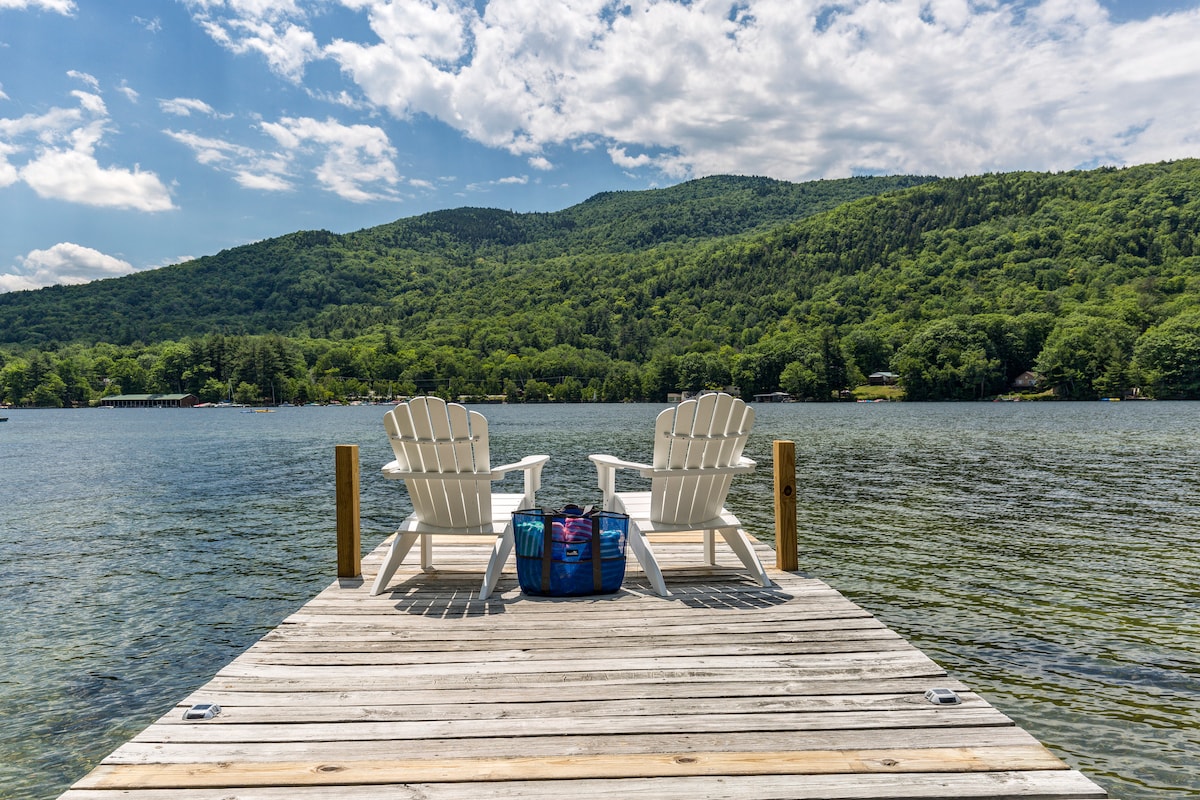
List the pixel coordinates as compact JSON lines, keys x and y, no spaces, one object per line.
{"x":349,"y":531}
{"x":787,"y":557}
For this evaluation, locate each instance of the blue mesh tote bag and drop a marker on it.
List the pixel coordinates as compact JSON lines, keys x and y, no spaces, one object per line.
{"x":570,"y":551}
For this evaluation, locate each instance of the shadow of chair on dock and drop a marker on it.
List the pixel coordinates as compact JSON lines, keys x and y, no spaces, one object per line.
{"x":450,"y":595}
{"x":734,"y":595}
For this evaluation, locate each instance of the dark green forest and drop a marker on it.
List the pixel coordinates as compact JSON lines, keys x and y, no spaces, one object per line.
{"x":1088,"y":279}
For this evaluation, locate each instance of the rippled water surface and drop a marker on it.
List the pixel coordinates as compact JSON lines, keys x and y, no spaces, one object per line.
{"x":1043,"y":553}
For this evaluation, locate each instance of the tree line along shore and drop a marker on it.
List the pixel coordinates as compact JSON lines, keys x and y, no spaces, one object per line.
{"x":1087,"y":280}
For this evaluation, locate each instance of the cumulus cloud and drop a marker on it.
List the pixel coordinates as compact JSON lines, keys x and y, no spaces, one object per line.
{"x":265,"y":27}
{"x":65,"y":7}
{"x":64,"y":263}
{"x":796,"y":89}
{"x":355,"y":162}
{"x":58,"y":151}
{"x":8,"y":173}
{"x":76,"y":176}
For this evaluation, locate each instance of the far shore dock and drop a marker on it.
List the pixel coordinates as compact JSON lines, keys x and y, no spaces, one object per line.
{"x":725,"y":689}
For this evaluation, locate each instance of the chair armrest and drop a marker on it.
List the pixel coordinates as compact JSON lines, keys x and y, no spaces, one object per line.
{"x":606,"y":475}
{"x":607,"y":466}
{"x":526,"y":463}
{"x":532,"y":467}
{"x":603,"y":461}
{"x":392,"y":471}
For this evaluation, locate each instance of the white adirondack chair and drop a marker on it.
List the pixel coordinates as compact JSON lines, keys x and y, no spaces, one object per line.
{"x":441,"y":454}
{"x":697,"y":451}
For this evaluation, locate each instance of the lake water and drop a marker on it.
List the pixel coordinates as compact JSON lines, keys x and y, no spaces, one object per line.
{"x":1046,"y":554}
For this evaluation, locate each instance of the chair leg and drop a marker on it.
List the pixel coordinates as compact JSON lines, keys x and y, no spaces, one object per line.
{"x":427,"y":554}
{"x":710,"y":548}
{"x":645,"y":556}
{"x":741,"y":545}
{"x":500,"y":551}
{"x":396,"y":553}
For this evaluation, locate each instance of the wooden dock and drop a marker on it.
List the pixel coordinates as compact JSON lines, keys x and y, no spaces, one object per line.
{"x":723,"y":690}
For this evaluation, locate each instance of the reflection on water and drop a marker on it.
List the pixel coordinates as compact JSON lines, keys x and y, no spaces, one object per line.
{"x":1044,"y":553}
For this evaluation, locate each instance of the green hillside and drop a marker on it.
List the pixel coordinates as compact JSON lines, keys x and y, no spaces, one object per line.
{"x":344,"y":284}
{"x":1088,"y":278}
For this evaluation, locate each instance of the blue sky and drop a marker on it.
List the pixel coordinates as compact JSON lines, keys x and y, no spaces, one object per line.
{"x":140,"y":133}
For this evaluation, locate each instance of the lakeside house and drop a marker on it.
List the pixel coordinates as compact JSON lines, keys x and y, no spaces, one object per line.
{"x":151,"y":401}
{"x":883,"y":379}
{"x":1026,"y":380}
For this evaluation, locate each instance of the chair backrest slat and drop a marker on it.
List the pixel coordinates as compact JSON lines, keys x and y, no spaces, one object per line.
{"x":432,"y":436}
{"x":710,"y":431}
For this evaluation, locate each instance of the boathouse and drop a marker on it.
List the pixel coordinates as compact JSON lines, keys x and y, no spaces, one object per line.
{"x":151,"y":401}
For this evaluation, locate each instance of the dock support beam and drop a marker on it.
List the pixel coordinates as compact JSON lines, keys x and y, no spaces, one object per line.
{"x":349,"y":530}
{"x":786,"y":556}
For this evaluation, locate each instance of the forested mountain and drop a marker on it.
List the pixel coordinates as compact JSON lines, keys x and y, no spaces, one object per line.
{"x":341,"y":285}
{"x":1088,"y":278}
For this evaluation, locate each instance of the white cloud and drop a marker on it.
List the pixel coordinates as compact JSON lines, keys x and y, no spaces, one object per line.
{"x":64,"y":263}
{"x":65,"y":7}
{"x":208,"y":150}
{"x":76,"y":176}
{"x":130,"y":93}
{"x":622,"y":159}
{"x":91,"y":103}
{"x":263,"y":181}
{"x":256,"y":9}
{"x":8,"y":173}
{"x":266,"y":27}
{"x":487,"y":186}
{"x":90,"y":80}
{"x":356,"y":160}
{"x":184,"y":106}
{"x":58,"y":149}
{"x":795,"y":89}
{"x":251,"y":168}
{"x":153,"y":25}
{"x":287,"y":48}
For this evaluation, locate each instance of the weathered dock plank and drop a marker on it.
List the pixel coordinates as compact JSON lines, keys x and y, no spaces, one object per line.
{"x":723,"y":690}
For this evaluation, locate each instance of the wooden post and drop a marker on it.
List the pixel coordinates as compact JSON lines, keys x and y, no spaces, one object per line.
{"x":786,"y":556}
{"x":349,"y":532}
